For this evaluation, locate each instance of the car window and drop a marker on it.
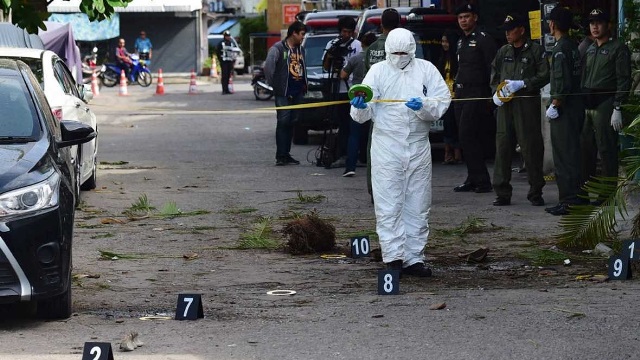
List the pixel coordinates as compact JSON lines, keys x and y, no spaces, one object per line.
{"x":69,"y":84}
{"x":34,"y":64}
{"x":314,"y":49}
{"x":17,"y":115}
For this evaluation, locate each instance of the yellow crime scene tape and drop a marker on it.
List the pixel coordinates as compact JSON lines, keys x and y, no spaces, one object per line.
{"x":357,"y":90}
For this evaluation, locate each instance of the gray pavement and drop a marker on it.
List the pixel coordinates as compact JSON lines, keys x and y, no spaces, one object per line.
{"x":184,"y":148}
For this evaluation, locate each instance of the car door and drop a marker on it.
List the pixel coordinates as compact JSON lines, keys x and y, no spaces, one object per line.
{"x":74,"y":108}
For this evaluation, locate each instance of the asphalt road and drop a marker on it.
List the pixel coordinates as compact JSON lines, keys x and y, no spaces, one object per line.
{"x":207,"y":151}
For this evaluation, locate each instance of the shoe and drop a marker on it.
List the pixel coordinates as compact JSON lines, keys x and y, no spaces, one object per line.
{"x":289,"y":160}
{"x":394,"y":265}
{"x":483,"y":189}
{"x":563,"y":209}
{"x":341,"y":162}
{"x":502,"y":201}
{"x":466,"y":187}
{"x":553,"y":208}
{"x":536,"y":201}
{"x":348,"y":173}
{"x":280,"y":162}
{"x":449,"y":161}
{"x":417,"y":269}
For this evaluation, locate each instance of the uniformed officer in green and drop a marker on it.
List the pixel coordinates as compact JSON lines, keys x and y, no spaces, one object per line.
{"x":522,"y":65}
{"x":606,"y":80}
{"x":565,"y":112}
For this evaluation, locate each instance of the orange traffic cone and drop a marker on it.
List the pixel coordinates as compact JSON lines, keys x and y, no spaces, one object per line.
{"x":123,"y":84}
{"x":193,"y":88}
{"x":213,"y":75}
{"x":95,"y":89}
{"x":160,"y":87}
{"x":231,"y":84}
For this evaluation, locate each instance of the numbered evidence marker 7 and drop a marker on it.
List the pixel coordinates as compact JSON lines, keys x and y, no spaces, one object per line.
{"x":631,"y":248}
{"x":388,"y":282}
{"x":189,"y":307}
{"x":97,"y":351}
{"x":619,"y":268}
{"x":360,"y":246}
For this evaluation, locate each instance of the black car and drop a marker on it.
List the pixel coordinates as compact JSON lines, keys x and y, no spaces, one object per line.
{"x":37,"y":201}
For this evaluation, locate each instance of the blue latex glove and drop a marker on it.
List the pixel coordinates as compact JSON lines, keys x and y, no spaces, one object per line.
{"x":414,"y":104}
{"x":358,"y":102}
{"x":514,"y":85}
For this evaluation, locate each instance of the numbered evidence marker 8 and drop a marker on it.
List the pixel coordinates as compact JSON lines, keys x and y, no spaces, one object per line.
{"x":388,"y":282}
{"x":360,"y":246}
{"x":619,"y":268}
{"x":97,"y":351}
{"x":189,"y":307}
{"x":631,"y":248}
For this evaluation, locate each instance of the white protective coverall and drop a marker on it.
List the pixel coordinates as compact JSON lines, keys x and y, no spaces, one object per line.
{"x":400,"y":148}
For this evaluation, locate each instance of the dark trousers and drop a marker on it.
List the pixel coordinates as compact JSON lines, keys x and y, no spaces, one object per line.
{"x":450,"y":133}
{"x":343,"y":119}
{"x":565,"y":142}
{"x":476,"y":130}
{"x":226,"y":68}
{"x":285,"y":121}
{"x":599,"y":137}
{"x":519,"y":122}
{"x":357,"y":146}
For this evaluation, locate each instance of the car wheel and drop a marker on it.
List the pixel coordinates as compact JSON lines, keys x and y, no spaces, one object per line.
{"x":56,"y":307}
{"x":144,"y":79}
{"x":91,"y":184}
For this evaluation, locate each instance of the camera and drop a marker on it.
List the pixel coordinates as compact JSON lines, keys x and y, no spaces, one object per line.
{"x":339,"y":51}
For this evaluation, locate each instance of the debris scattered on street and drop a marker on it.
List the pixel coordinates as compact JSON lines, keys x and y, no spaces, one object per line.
{"x":438,"y":306}
{"x":310,"y":234}
{"x":602,"y":250}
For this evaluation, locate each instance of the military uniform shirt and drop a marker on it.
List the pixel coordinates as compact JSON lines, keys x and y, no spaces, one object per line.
{"x":608,"y":67}
{"x":375,"y":52}
{"x":528,"y":64}
{"x":565,"y":69}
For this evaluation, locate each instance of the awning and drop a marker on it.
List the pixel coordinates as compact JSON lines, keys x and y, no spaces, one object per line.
{"x":73,"y":6}
{"x":85,"y":30}
{"x":222,"y":27}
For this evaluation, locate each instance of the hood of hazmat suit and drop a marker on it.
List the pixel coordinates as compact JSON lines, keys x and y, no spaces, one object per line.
{"x":400,"y":149}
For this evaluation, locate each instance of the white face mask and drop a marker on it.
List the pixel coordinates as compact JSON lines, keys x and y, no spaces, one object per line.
{"x":399,"y":61}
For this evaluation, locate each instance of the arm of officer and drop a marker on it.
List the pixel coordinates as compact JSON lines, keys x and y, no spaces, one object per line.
{"x":496,"y":75}
{"x":541,"y":78}
{"x":562,"y":77}
{"x":623,"y":75}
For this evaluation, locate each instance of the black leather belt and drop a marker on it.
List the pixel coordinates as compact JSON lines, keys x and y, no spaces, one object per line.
{"x":469,"y":85}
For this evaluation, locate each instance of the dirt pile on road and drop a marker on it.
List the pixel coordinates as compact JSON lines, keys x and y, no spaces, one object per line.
{"x":309,"y":234}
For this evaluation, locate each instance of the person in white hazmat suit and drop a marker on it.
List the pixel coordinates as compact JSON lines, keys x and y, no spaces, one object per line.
{"x":400,"y":149}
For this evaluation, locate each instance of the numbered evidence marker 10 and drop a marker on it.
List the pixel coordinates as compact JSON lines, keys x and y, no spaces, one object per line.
{"x":631,"y":248}
{"x":388,"y":282}
{"x":189,"y":307}
{"x":97,"y":351}
{"x":360,"y":246}
{"x":619,"y":268}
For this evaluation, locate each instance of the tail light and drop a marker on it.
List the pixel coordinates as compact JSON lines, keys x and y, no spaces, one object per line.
{"x":57,"y":113}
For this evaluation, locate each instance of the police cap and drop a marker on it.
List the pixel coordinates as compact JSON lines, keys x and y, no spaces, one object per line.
{"x":466,"y":8}
{"x":511,"y":22}
{"x":598,"y":15}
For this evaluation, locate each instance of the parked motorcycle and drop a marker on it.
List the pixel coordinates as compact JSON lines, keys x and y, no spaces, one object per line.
{"x":261,"y":90}
{"x":138,"y":74}
{"x":90,"y":66}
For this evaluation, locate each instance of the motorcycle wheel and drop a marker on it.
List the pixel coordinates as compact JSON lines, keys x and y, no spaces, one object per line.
{"x":109,"y":78}
{"x":261,"y":93}
{"x":144,"y":79}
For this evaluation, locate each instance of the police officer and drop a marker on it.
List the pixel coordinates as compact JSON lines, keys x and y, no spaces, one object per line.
{"x":606,"y":80}
{"x":227,"y":56}
{"x":476,"y":51}
{"x":566,"y":111}
{"x":522,"y":65}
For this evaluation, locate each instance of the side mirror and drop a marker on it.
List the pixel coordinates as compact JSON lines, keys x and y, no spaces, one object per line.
{"x":86,"y":94}
{"x":75,"y":133}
